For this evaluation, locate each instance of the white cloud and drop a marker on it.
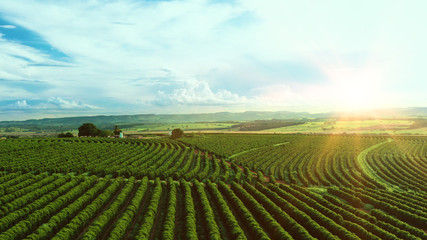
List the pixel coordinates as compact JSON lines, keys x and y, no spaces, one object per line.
{"x":277,"y":94}
{"x":119,"y":50}
{"x":198,"y":93}
{"x":69,"y":104}
{"x":8,"y":26}
{"x":53,"y":103}
{"x":20,"y":104}
{"x":17,"y":63}
{"x":106,"y":56}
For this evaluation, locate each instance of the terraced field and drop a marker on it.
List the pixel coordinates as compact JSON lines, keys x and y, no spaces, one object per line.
{"x":279,"y":187}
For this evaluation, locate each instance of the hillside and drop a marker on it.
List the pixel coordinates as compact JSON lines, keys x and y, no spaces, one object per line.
{"x":111,"y":120}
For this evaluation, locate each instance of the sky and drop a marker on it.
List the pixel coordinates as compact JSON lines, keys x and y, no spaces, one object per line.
{"x":78,"y":57}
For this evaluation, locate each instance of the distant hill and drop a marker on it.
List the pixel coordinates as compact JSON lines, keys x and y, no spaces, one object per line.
{"x":415,"y":112}
{"x":110,"y":121}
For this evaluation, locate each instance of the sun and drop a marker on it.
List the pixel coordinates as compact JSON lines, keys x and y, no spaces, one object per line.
{"x":354,"y":89}
{"x":352,"y":95}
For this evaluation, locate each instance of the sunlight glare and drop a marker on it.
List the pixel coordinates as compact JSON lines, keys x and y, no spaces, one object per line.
{"x":354,"y":89}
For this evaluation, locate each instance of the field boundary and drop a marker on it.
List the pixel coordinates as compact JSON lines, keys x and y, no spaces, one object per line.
{"x":361,"y":158}
{"x":253,"y":149}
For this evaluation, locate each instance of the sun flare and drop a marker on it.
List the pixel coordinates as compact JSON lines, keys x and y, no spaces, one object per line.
{"x":353,"y":89}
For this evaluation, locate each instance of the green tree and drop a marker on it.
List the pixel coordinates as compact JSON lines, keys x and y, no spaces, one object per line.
{"x":177,"y":133}
{"x":65,"y":135}
{"x":88,"y":130}
{"x":117,"y":130}
{"x":105,"y":133}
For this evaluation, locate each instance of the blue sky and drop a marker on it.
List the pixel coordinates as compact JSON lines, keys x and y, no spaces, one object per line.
{"x":67,"y":58}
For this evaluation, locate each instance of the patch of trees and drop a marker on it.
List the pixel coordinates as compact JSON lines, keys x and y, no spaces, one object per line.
{"x":90,"y":130}
{"x":329,"y":125}
{"x":11,"y":129}
{"x":38,"y":128}
{"x":259,"y":125}
{"x":65,"y":135}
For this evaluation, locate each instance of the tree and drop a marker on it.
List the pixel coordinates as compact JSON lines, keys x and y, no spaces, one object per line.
{"x":88,"y":130}
{"x":177,"y":133}
{"x":65,"y":135}
{"x":117,"y":130}
{"x":105,"y":133}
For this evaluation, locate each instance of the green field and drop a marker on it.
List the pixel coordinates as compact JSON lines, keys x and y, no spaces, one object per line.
{"x":381,"y":127}
{"x":360,"y":126}
{"x":221,"y":186}
{"x":183,"y":126}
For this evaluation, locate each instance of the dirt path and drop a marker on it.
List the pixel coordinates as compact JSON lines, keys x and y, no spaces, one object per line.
{"x":368,"y":170}
{"x":252,"y":149}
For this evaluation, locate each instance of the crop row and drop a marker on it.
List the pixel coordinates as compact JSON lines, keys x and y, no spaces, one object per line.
{"x":314,"y":161}
{"x":161,"y":158}
{"x":83,"y":207}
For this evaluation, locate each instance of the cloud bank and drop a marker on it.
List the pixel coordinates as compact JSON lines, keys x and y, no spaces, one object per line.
{"x":128,"y":57}
{"x":53,"y":103}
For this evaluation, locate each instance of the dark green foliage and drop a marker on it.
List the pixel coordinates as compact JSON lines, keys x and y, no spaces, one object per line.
{"x":105,"y":133}
{"x":229,"y":144}
{"x":177,"y":133}
{"x":401,"y":211}
{"x":230,"y":219}
{"x":46,"y":205}
{"x":272,"y":178}
{"x":249,"y":220}
{"x":88,"y":130}
{"x":117,"y":130}
{"x":380,"y":215}
{"x":260,"y":177}
{"x":208,"y":215}
{"x":350,"y":198}
{"x":150,"y":214}
{"x":82,"y":207}
{"x":74,"y":227}
{"x":190,"y":212}
{"x":300,"y":212}
{"x":56,"y":222}
{"x":96,"y":228}
{"x":169,"y":225}
{"x":259,"y":125}
{"x":109,"y":156}
{"x":286,"y":221}
{"x":260,"y":213}
{"x":79,"y":205}
{"x":65,"y":135}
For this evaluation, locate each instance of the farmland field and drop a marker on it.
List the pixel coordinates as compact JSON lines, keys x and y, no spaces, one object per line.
{"x":184,"y":126}
{"x":392,"y":126}
{"x":224,"y":186}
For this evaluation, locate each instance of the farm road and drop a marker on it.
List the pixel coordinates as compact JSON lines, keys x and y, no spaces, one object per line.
{"x":252,"y":149}
{"x":367,"y":169}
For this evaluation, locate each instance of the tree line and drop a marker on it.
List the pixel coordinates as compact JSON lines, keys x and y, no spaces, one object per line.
{"x":90,"y":130}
